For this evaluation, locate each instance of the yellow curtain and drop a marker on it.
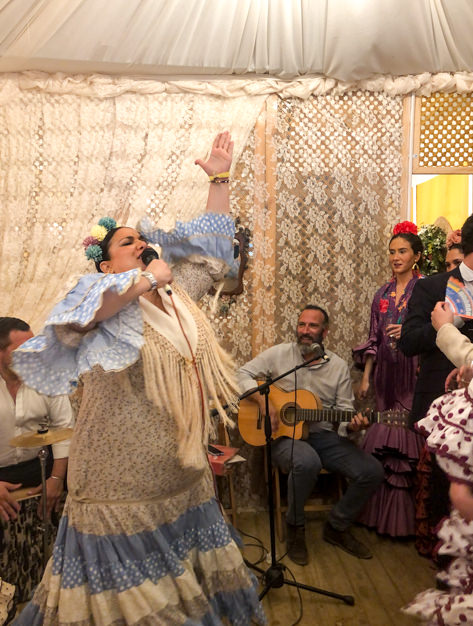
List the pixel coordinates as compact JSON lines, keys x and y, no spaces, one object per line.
{"x":443,"y":196}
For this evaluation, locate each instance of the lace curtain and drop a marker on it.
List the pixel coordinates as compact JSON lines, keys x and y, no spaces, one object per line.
{"x":69,"y":159}
{"x":318,"y":184}
{"x":316,"y":180}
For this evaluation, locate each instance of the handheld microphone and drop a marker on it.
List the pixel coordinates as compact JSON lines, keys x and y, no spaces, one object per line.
{"x":148,"y":255}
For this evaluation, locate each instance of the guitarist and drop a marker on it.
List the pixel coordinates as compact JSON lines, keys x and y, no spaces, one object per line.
{"x":329,"y":379}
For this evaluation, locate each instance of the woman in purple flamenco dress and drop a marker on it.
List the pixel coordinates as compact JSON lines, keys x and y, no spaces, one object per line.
{"x":391,"y":508}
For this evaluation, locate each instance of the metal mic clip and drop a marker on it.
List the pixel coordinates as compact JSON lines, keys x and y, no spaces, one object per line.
{"x":318,"y":350}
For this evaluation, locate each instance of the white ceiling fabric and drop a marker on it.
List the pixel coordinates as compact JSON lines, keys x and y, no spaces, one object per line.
{"x":344,"y":40}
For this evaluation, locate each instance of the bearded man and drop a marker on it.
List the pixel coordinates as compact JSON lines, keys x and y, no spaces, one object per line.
{"x":328,"y":378}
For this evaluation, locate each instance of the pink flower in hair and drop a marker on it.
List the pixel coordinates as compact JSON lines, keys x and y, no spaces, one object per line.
{"x":455,"y":236}
{"x":90,"y":241}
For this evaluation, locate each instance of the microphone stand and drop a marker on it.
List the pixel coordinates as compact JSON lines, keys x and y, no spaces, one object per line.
{"x":274,"y":575}
{"x":44,"y":526}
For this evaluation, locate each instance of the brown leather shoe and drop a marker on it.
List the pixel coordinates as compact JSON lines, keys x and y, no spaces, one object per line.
{"x":295,"y":544}
{"x":346,"y":541}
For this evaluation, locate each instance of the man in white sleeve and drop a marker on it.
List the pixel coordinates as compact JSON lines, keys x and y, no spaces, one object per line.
{"x":23,"y":410}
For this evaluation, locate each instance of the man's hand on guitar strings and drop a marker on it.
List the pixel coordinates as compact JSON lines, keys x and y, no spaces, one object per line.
{"x":358,"y":422}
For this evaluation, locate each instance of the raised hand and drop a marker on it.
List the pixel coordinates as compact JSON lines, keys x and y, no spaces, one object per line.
{"x":221,"y":154}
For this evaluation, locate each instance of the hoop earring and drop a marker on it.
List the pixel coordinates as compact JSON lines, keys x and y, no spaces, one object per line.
{"x":415,"y":268}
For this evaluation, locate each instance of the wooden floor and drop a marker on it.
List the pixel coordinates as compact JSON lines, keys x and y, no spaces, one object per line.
{"x":380,"y":586}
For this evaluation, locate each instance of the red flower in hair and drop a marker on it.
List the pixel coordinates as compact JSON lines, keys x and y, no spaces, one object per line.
{"x":405,"y":227}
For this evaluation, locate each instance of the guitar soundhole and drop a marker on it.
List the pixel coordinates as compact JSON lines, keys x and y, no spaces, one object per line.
{"x":288,"y":414}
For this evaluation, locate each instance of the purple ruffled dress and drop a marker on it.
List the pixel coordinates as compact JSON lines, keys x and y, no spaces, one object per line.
{"x":391,"y":509}
{"x":394,"y":374}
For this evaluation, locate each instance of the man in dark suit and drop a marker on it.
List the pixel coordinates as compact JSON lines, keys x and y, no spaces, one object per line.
{"x":418,"y":335}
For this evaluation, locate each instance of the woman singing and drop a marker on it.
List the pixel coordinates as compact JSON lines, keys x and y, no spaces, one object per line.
{"x":142,"y":540}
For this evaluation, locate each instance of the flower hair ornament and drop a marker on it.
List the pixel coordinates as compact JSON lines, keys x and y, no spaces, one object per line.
{"x":405,"y":227}
{"x":454,"y":238}
{"x":93,"y":250}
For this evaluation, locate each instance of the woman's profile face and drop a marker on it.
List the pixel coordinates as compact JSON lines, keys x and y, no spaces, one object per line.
{"x":453,"y":259}
{"x":124,"y":249}
{"x":401,"y":256}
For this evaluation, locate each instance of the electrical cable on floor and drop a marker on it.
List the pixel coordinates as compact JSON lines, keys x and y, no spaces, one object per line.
{"x":259,"y":544}
{"x":301,"y":605}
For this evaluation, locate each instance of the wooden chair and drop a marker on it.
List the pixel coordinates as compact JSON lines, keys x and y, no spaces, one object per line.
{"x":319,"y":501}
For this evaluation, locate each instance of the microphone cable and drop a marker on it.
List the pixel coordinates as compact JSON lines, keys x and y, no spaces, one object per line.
{"x":147,"y":256}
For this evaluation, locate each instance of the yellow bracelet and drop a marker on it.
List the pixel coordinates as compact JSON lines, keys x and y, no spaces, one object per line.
{"x":216,"y":177}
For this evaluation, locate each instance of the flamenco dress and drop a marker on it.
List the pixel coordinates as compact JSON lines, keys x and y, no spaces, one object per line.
{"x":142,"y":539}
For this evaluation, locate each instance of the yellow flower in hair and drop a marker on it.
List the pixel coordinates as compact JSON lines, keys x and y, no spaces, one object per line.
{"x":98,"y":232}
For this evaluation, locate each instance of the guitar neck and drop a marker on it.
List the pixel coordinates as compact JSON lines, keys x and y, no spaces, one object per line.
{"x":324,"y":415}
{"x":345,"y":415}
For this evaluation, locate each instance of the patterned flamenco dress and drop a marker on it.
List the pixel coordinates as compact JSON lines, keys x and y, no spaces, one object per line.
{"x":449,"y":426}
{"x":142,"y":540}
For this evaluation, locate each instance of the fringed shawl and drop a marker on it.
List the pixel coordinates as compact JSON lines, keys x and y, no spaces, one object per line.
{"x":172,"y":385}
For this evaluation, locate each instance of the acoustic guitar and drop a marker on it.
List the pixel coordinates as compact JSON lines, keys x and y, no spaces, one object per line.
{"x":294,"y":418}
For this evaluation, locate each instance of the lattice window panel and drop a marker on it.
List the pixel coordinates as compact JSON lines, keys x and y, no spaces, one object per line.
{"x":443,"y":140}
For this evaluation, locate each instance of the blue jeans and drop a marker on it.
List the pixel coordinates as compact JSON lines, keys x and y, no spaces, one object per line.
{"x":327,"y":450}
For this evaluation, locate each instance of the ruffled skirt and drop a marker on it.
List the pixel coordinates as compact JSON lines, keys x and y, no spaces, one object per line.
{"x":188,"y":571}
{"x":454,"y":606}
